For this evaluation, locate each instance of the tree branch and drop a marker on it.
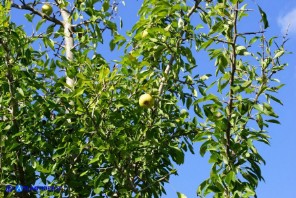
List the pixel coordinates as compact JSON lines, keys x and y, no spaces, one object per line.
{"x":34,"y":11}
{"x":172,"y":59}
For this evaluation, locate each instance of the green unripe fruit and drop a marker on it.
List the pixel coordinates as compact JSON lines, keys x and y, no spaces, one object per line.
{"x":47,"y":9}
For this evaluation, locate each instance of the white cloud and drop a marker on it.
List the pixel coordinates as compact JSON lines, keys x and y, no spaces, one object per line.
{"x":288,"y":22}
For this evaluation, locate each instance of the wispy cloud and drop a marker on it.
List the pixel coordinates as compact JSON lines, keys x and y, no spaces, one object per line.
{"x":288,"y":22}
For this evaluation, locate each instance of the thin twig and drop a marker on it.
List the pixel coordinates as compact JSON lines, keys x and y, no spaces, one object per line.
{"x":250,"y":33}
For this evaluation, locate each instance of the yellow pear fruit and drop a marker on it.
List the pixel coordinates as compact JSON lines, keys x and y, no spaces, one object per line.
{"x":146,"y":100}
{"x":47,"y":9}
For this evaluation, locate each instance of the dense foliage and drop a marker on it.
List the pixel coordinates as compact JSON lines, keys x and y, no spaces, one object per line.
{"x":70,"y":117}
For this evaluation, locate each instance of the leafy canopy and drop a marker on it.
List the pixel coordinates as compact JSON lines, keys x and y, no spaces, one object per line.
{"x":70,"y":117}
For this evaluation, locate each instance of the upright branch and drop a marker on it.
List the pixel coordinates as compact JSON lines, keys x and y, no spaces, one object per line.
{"x":231,"y":81}
{"x":66,"y":24}
{"x":69,"y":41}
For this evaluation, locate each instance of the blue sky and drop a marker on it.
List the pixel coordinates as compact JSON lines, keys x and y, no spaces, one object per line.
{"x":279,"y":172}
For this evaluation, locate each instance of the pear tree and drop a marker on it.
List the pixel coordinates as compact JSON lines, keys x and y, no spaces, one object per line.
{"x":72,"y":93}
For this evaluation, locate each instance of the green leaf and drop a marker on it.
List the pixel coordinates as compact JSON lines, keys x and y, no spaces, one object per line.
{"x":204,"y":147}
{"x":211,"y":97}
{"x":95,"y":159}
{"x":177,"y":155}
{"x":259,"y":121}
{"x":233,"y":1}
{"x":20,"y":90}
{"x":40,"y":23}
{"x":204,"y":185}
{"x":214,"y":158}
{"x":97,"y":190}
{"x":84,"y":173}
{"x":50,"y":29}
{"x":75,"y":16}
{"x":197,"y":110}
{"x":181,"y":195}
{"x":279,"y":54}
{"x":106,"y":6}
{"x":221,"y":63}
{"x":29,"y":17}
{"x":78,"y":92}
{"x":263,"y":18}
{"x":246,"y":84}
{"x":259,"y":107}
{"x":188,"y":103}
{"x":253,"y":40}
{"x":241,"y":50}
{"x":273,"y":121}
{"x":7,"y":127}
{"x":230,"y":177}
{"x":48,"y":42}
{"x":274,"y":99}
